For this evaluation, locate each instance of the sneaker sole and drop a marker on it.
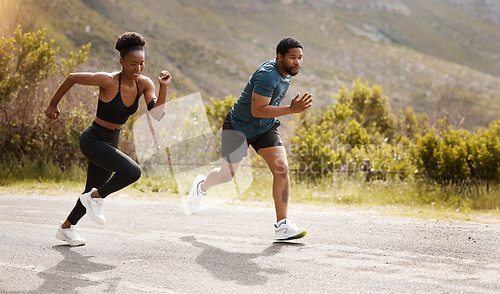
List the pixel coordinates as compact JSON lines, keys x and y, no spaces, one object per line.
{"x":298,"y":236}
{"x":61,"y":237}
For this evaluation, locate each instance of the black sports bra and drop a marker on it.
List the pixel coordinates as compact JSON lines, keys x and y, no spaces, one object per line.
{"x":115,"y":111}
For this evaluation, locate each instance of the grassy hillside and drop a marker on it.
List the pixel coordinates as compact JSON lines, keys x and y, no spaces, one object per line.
{"x":420,"y":51}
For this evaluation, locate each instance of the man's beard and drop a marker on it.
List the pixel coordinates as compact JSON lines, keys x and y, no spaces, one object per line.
{"x":289,"y":71}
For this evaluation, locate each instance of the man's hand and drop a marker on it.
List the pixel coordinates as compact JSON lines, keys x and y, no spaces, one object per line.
{"x":298,"y":105}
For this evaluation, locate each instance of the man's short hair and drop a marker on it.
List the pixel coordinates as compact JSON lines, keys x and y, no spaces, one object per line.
{"x":287,"y":43}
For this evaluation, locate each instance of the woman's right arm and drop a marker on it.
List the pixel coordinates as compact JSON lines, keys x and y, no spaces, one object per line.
{"x":103,"y":80}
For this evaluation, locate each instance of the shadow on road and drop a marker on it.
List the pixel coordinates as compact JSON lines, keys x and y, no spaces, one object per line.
{"x":68,"y":274}
{"x":236,"y":266}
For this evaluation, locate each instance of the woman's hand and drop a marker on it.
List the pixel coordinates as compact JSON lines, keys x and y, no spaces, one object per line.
{"x":165,"y":78}
{"x":52,"y":112}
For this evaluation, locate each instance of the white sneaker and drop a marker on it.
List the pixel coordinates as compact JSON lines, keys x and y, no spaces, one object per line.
{"x":93,"y":206}
{"x":287,"y":231}
{"x":195,"y":196}
{"x":69,"y":235}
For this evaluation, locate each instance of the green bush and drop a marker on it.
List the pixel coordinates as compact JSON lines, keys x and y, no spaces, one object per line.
{"x":453,"y":154}
{"x":29,"y":68}
{"x":410,"y":126}
{"x":369,"y":107}
{"x":485,"y":154}
{"x":443,"y":157}
{"x":218,"y":110}
{"x":456,"y":156}
{"x":358,"y":127}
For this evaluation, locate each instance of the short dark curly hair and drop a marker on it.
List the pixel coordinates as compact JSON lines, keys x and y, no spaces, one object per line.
{"x":287,"y":43}
{"x":129,"y":41}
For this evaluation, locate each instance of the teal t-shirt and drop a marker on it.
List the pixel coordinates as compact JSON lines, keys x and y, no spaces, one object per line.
{"x":266,"y":81}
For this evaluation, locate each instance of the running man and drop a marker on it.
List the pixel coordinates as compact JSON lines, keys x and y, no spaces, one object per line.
{"x":252,"y":121}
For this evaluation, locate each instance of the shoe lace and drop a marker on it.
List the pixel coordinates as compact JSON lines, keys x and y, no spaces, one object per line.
{"x":71,"y":233}
{"x":97,"y":207}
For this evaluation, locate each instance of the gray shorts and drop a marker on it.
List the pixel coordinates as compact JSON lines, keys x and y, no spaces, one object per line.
{"x":235,"y":144}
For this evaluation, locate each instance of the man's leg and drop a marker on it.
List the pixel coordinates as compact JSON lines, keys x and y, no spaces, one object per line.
{"x":217,"y":176}
{"x":275,"y":158}
{"x":234,"y":148}
{"x":201,"y":184}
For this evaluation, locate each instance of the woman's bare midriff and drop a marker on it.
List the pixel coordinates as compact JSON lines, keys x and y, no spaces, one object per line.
{"x":107,"y":124}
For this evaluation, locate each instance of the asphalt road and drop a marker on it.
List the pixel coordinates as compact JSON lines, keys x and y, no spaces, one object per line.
{"x":154,"y":247}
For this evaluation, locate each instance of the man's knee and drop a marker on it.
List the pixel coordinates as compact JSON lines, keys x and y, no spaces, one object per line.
{"x":226,"y":177}
{"x":280,"y":173}
{"x":280,"y":170}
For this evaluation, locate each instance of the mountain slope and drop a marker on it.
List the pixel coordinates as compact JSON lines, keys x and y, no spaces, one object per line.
{"x":417,"y":50}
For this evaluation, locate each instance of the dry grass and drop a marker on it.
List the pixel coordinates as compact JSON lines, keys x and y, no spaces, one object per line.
{"x":415,"y":199}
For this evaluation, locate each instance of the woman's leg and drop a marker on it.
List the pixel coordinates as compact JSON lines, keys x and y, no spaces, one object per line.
{"x":96,"y":177}
{"x":99,"y":146}
{"x":127,"y":171}
{"x":105,"y":155}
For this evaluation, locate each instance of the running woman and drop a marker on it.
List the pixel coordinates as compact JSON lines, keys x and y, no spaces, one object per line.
{"x":119,"y":94}
{"x":252,"y":121}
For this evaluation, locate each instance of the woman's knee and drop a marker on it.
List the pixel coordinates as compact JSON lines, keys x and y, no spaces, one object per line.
{"x":134,"y":173}
{"x":137,"y":174}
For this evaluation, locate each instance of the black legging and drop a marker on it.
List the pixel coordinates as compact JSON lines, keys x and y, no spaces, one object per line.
{"x":99,"y":145}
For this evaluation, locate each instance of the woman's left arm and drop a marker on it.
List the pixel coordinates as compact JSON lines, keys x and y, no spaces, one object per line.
{"x":155,"y":104}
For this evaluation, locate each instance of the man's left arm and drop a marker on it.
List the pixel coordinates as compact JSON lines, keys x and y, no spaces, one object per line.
{"x":261,"y":107}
